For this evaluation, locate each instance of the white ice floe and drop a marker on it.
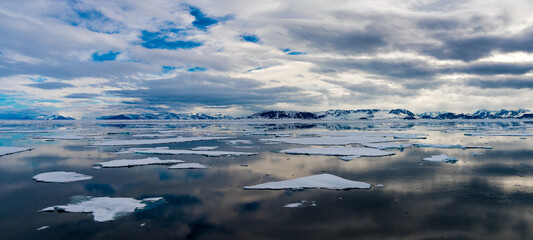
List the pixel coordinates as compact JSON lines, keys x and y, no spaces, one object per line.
{"x":441,"y":158}
{"x":349,"y":158}
{"x":325,"y":181}
{"x":60,"y":137}
{"x":477,"y":147}
{"x":204,"y":148}
{"x":167,"y":151}
{"x":60,"y":177}
{"x":379,"y":185}
{"x":383,"y":146}
{"x":42,"y":228}
{"x":302,"y":203}
{"x":339,"y":151}
{"x":11,"y":150}
{"x":156,"y":141}
{"x":104,"y":209}
{"x":505,"y":134}
{"x":331,"y":140}
{"x":154,"y":135}
{"x":136,"y":162}
{"x":235,"y":142}
{"x":188,"y":166}
{"x":430,"y":145}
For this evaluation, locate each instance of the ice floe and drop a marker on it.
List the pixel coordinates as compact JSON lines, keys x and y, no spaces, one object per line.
{"x":302,"y":203}
{"x":476,"y":154}
{"x":60,"y":137}
{"x":167,"y":151}
{"x":349,"y":158}
{"x":379,"y":185}
{"x":330,"y":140}
{"x":441,"y":158}
{"x":135,"y":162}
{"x":325,"y":181}
{"x":188,"y":166}
{"x":42,"y":228}
{"x":204,"y":148}
{"x":11,"y":150}
{"x":340,"y":151}
{"x":156,"y":141}
{"x":235,"y":142}
{"x":477,"y":147}
{"x":430,"y":145}
{"x":505,"y":134}
{"x":60,"y":177}
{"x":383,"y":146}
{"x":104,"y":209}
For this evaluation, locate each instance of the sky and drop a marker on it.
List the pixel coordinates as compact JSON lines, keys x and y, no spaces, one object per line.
{"x":90,"y":58}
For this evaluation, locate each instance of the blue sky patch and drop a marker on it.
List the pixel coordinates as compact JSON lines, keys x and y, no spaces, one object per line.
{"x":197,"y":69}
{"x":250,"y":38}
{"x":296,"y":53}
{"x":158,"y":40}
{"x":285,"y":49}
{"x":101,"y":57}
{"x":167,"y":69}
{"x":38,"y":79}
{"x":201,"y":20}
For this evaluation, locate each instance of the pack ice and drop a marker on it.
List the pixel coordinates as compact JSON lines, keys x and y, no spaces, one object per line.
{"x":11,"y":150}
{"x":104,"y":209}
{"x":156,"y":141}
{"x":340,"y":151}
{"x":135,"y":162}
{"x":60,"y":177}
{"x":188,"y":166}
{"x":167,"y":151}
{"x":325,"y":181}
{"x":441,"y":158}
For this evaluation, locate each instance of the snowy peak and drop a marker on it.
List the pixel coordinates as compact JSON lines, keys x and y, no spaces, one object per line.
{"x":20,"y":116}
{"x":164,"y":116}
{"x":283,"y":115}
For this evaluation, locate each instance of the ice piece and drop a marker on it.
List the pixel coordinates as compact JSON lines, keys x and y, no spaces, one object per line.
{"x":156,"y":141}
{"x":235,"y":142}
{"x":188,"y":166}
{"x":11,"y":150}
{"x":136,"y":162}
{"x":441,"y":158}
{"x":42,"y":228}
{"x":60,"y":137}
{"x":339,"y":151}
{"x":430,"y":145}
{"x":299,"y":204}
{"x":104,"y":209}
{"x":60,"y":177}
{"x":204,"y":148}
{"x":349,"y":158}
{"x":142,"y":225}
{"x":331,"y":140}
{"x":379,"y":185}
{"x":167,"y":151}
{"x":383,"y":146}
{"x":476,"y":153}
{"x":505,"y":134}
{"x":326,"y":181}
{"x":477,"y":147}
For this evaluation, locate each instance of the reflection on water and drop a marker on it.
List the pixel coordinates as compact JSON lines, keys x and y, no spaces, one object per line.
{"x":487,"y":196}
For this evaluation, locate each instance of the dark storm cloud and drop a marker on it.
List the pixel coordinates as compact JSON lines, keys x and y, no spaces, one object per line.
{"x":205,"y":89}
{"x":501,"y":83}
{"x":369,"y":88}
{"x":50,"y":85}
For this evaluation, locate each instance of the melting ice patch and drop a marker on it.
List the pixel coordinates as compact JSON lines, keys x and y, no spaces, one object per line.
{"x":60,"y":177}
{"x":383,"y":146}
{"x":60,"y":137}
{"x":11,"y":150}
{"x":325,"y":181}
{"x":204,"y":148}
{"x":235,"y":142}
{"x":105,"y":209}
{"x":430,"y":145}
{"x":330,"y":140}
{"x":135,"y":162}
{"x":188,"y":166}
{"x":302,"y":203}
{"x":167,"y":151}
{"x":441,"y":158}
{"x":156,"y":141}
{"x":340,"y":151}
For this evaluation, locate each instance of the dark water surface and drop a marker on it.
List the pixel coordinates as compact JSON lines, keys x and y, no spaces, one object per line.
{"x":489,"y":196}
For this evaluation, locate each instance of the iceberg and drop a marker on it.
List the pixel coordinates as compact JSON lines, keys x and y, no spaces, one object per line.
{"x":339,"y":151}
{"x":104,"y":209}
{"x":60,"y":177}
{"x":441,"y":158}
{"x":325,"y":181}
{"x":188,"y":166}
{"x":135,"y":162}
{"x":156,"y":141}
{"x":11,"y":150}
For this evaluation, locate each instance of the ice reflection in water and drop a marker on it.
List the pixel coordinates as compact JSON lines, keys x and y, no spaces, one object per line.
{"x":487,"y":196}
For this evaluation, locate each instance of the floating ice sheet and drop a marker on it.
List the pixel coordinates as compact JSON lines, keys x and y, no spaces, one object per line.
{"x":235,"y":142}
{"x":135,"y":162}
{"x":340,"y":151}
{"x":330,"y":140}
{"x":104,"y":209}
{"x":188,"y":166}
{"x":383,"y":146}
{"x":204,"y":148}
{"x":156,"y":141}
{"x":11,"y":150}
{"x":167,"y":151}
{"x":477,"y":147}
{"x":60,"y":177}
{"x":441,"y":158}
{"x":325,"y":181}
{"x":61,"y":137}
{"x":430,"y":145}
{"x":505,"y":134}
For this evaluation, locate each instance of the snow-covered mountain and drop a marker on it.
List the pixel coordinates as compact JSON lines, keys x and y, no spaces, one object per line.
{"x":165,"y":116}
{"x":22,"y":116}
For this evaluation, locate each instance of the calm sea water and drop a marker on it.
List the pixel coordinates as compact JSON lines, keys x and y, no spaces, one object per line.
{"x":489,"y":196}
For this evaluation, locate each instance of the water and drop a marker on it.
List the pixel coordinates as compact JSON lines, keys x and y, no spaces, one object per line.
{"x":488,"y":196}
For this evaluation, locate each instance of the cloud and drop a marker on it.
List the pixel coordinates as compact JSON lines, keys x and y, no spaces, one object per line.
{"x":501,"y":83}
{"x":50,"y":85}
{"x":82,"y":95}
